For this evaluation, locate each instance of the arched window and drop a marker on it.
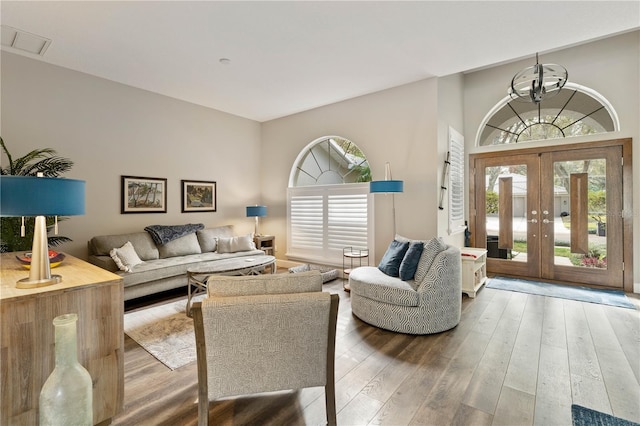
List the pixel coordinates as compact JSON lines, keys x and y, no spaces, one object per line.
{"x":328,"y":161}
{"x":328,"y":202}
{"x":576,"y":110}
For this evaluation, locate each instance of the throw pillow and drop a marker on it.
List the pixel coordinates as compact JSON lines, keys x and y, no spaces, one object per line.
{"x":125,"y":257}
{"x":409,"y":263}
{"x":235,"y":244}
{"x":208,"y":237}
{"x":390,"y":263}
{"x":182,"y":246}
{"x":432,"y":248}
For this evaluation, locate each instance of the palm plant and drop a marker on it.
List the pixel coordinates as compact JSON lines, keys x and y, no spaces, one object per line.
{"x":37,"y":161}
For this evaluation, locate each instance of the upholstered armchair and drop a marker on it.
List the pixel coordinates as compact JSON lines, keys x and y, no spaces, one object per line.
{"x":430,"y":303}
{"x":265,"y":333}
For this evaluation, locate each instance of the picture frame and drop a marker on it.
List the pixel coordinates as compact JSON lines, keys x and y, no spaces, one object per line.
{"x":198,"y":196}
{"x":144,"y":195}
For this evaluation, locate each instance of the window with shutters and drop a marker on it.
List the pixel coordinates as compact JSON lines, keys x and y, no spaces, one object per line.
{"x":456,"y":182}
{"x":328,"y":202}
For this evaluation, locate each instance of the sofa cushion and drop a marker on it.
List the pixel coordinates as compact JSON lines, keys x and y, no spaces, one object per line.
{"x":125,"y":257}
{"x":150,"y":271}
{"x":432,"y":248}
{"x":141,"y":241}
{"x":225,"y":286}
{"x":236,"y":244}
{"x":390,"y":262}
{"x":372,"y":283}
{"x":208,"y":237}
{"x":180,"y":247}
{"x":409,"y":263}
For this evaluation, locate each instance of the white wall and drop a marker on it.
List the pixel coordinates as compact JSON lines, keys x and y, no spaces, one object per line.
{"x":450,"y":114}
{"x":109,"y":129}
{"x":610,"y":66}
{"x":398,"y":125}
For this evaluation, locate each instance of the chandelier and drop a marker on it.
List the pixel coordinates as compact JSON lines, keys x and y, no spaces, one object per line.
{"x":540,"y":81}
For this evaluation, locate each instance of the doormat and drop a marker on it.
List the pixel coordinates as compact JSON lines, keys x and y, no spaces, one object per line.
{"x":583,"y":294}
{"x":583,"y":416}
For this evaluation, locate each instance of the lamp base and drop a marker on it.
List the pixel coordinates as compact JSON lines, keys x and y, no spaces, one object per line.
{"x":29,"y":283}
{"x":40,"y":269}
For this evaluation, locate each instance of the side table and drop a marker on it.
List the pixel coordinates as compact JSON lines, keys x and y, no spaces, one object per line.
{"x":352,"y":255}
{"x":266,"y":243}
{"x":474,"y":269}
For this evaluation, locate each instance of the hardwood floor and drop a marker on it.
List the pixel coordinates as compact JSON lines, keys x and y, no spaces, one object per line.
{"x":514,"y":359}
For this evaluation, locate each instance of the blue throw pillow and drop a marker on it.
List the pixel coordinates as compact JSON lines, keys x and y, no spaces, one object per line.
{"x":390,"y":263}
{"x":409,"y":263}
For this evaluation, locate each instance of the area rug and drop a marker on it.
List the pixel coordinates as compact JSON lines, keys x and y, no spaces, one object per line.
{"x":165,"y":331}
{"x":583,"y":294}
{"x":583,"y":416}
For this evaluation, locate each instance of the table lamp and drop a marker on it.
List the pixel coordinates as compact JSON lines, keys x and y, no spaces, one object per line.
{"x":257,"y":212}
{"x":388,"y":185}
{"x":40,"y":197}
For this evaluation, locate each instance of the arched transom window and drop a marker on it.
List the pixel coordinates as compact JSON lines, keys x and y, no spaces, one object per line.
{"x":330,"y":160}
{"x":574,"y":111}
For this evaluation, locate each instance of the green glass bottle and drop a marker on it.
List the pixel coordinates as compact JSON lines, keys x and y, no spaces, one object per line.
{"x":66,"y":397}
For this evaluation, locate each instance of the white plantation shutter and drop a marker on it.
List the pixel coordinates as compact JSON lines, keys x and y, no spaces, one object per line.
{"x":325,"y":219}
{"x":347,"y":221}
{"x":306,"y":225}
{"x":456,"y":182}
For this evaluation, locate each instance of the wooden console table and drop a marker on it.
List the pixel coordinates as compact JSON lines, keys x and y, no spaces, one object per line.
{"x":27,"y":336}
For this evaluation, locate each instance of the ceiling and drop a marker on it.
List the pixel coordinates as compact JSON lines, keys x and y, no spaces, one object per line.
{"x":287,"y":57}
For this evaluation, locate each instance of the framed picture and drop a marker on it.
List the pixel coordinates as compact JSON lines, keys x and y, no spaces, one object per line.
{"x":144,"y":195}
{"x":198,"y":196}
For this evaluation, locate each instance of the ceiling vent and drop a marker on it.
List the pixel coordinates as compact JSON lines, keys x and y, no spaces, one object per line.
{"x":22,"y":40}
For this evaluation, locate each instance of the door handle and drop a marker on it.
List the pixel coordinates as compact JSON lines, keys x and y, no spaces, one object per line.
{"x":533,"y":221}
{"x":547,"y":221}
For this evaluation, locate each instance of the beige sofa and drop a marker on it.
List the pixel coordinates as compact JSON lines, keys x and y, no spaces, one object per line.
{"x":163,"y":266}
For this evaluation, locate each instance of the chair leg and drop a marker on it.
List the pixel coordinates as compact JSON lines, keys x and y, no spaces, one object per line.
{"x":203,"y":412}
{"x":201,"y":358}
{"x":330,"y":388}
{"x":330,"y":399}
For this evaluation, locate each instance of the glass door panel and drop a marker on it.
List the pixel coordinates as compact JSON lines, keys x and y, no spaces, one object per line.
{"x":579,"y":213}
{"x":505,"y":223}
{"x":579,"y":203}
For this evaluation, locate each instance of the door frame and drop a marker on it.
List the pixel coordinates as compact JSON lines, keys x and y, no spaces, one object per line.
{"x":627,"y":193}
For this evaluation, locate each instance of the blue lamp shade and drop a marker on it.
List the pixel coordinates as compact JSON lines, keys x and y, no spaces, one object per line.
{"x":41,"y":196}
{"x":256,"y":211}
{"x":378,"y":186}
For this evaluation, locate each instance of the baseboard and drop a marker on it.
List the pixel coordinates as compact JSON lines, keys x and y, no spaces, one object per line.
{"x":287,"y":263}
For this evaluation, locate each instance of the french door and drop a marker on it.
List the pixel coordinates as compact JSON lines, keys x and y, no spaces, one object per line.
{"x":555,"y":214}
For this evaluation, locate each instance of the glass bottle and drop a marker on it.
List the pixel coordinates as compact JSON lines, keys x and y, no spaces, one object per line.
{"x":66,"y":397}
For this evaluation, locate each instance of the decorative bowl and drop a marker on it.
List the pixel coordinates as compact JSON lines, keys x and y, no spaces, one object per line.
{"x":55,"y":259}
